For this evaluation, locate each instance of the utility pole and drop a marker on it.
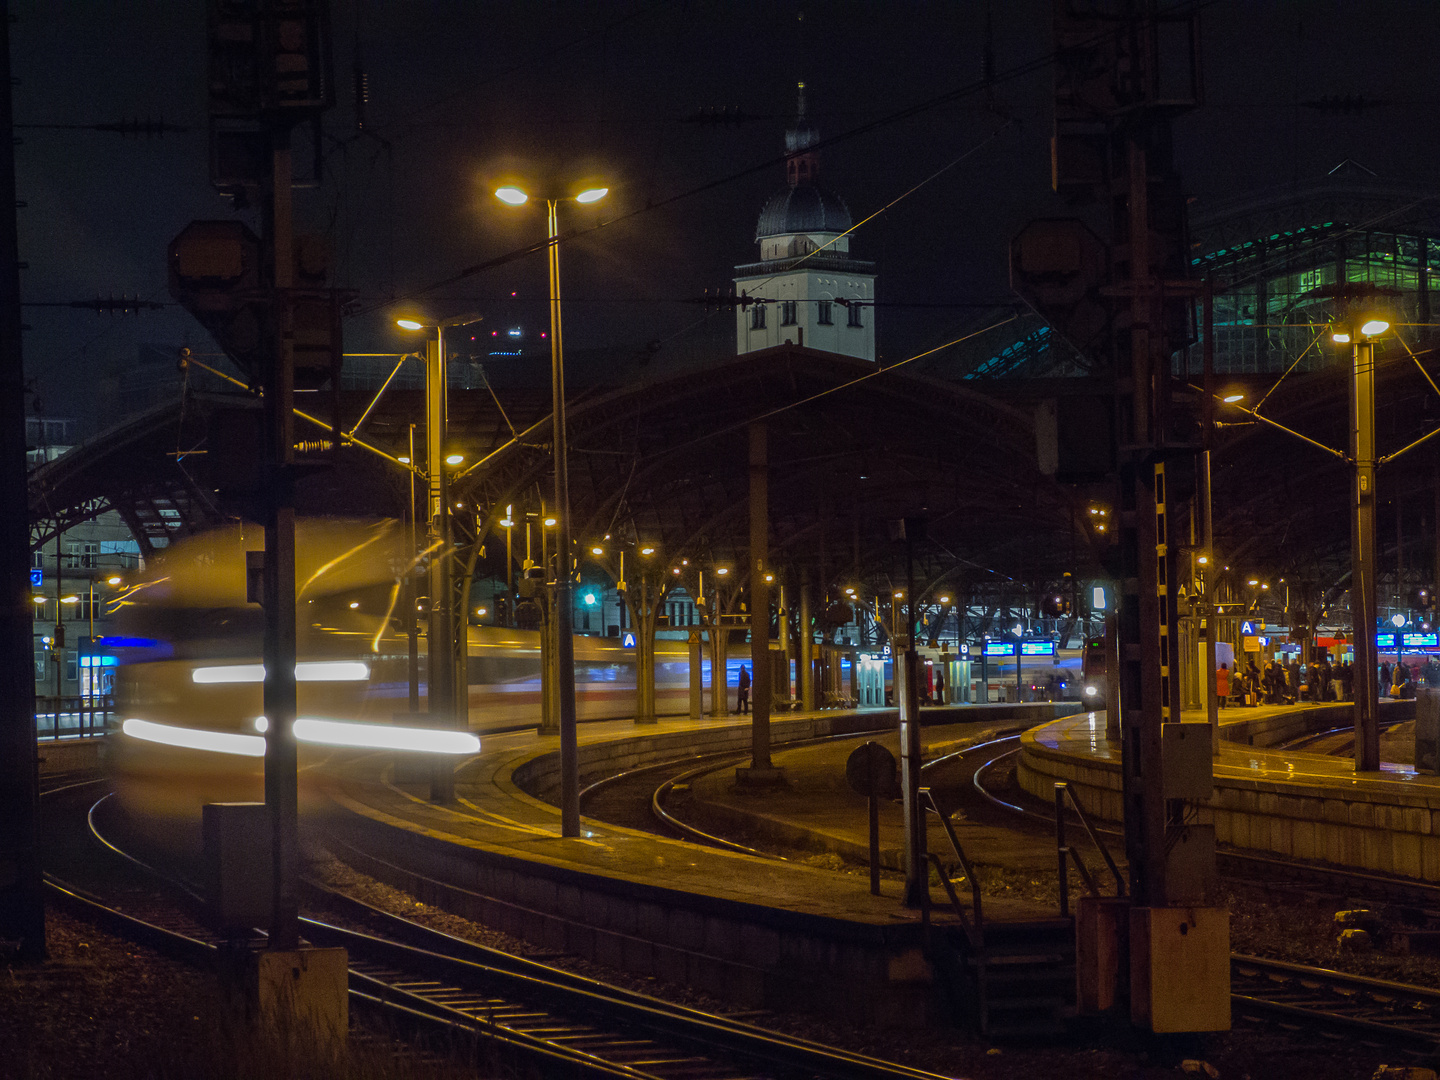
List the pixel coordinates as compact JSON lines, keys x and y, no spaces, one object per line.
{"x":440,"y":682}
{"x":760,"y":770}
{"x":1362,"y":554}
{"x":22,"y":903}
{"x":907,"y":698}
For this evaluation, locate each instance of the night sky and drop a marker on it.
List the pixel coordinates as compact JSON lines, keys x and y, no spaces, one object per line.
{"x":465,"y":95}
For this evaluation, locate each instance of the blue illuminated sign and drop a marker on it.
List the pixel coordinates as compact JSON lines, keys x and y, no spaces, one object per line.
{"x":999,"y":648}
{"x":1385,"y":641}
{"x":1037,"y":648}
{"x":1421,"y":641}
{"x":628,"y":641}
{"x":37,"y":577}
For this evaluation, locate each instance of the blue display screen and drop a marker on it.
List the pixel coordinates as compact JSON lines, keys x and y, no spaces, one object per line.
{"x":1385,"y":641}
{"x":1037,"y":648}
{"x":1420,"y":641}
{"x":999,"y":648}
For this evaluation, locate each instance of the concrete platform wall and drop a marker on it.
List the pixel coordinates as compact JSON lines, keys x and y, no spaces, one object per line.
{"x":1384,"y":825}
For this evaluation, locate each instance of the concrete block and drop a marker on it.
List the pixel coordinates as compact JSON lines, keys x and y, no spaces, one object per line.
{"x":609,"y":950}
{"x":624,"y":915}
{"x":759,"y":945}
{"x":1303,"y":840}
{"x":1180,"y":969}
{"x":1405,"y":857}
{"x":1360,"y":813}
{"x":570,"y":903}
{"x":722,"y":938}
{"x":580,"y":940}
{"x":1417,"y":820}
{"x":1430,"y":858}
{"x":553,"y":933}
{"x":1374,"y":850}
{"x":687,"y":929}
{"x":1336,"y":810}
{"x":639,"y":955}
{"x":652,"y":922}
{"x":299,"y":997}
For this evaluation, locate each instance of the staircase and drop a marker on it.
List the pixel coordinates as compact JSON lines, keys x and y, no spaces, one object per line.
{"x":1028,"y":974}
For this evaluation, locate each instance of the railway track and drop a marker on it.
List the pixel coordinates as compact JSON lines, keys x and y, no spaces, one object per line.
{"x":1329,"y":1003}
{"x":426,"y":980}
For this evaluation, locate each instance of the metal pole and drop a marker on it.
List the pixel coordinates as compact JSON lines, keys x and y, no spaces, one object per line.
{"x":281,"y":759}
{"x":1362,"y":555}
{"x":412,"y":621}
{"x":697,"y":693}
{"x":440,"y":675}
{"x":907,"y":696}
{"x":565,"y":643}
{"x":1208,"y":611}
{"x":807,"y":649}
{"x":22,"y":903}
{"x":760,"y":681}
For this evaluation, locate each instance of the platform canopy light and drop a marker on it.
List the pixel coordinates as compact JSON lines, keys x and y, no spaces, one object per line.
{"x":409,"y":324}
{"x":1397,"y":620}
{"x":590,"y":599}
{"x":1231,"y":399}
{"x":454,"y":459}
{"x":722,"y":570}
{"x":647,"y":551}
{"x":113,"y":580}
{"x":592,"y":195}
{"x":512,"y":195}
{"x":597,"y":551}
{"x":551,"y":522}
{"x":1374,"y":327}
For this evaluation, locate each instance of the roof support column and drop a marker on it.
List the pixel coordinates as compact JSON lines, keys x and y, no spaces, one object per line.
{"x":760,"y":769}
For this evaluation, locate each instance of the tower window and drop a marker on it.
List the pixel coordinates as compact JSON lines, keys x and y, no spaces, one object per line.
{"x":787,"y":312}
{"x":757,"y":317}
{"x":854,"y":315}
{"x":823,"y":318}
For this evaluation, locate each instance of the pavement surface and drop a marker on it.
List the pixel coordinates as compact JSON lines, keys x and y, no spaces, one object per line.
{"x":493,"y":814}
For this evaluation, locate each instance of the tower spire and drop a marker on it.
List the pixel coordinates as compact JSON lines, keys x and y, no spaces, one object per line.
{"x":802,"y":164}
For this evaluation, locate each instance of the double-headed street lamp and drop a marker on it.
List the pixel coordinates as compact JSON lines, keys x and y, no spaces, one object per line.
{"x":565,"y":646}
{"x":446,"y":664}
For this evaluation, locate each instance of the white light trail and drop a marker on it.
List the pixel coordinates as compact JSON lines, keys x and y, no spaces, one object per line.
{"x":305,"y":671}
{"x":221,"y":742}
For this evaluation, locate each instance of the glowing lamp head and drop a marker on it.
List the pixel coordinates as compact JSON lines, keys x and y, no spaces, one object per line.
{"x":590,"y":599}
{"x":1340,"y":336}
{"x":1231,"y":399}
{"x":722,"y":570}
{"x":1203,"y":560}
{"x":113,"y":580}
{"x":38,"y":599}
{"x":403,"y":460}
{"x":551,"y":522}
{"x":512,"y":195}
{"x":1397,"y":621}
{"x":1372,"y":327}
{"x":454,"y":459}
{"x":769,"y":577}
{"x":647,"y":551}
{"x":597,"y":551}
{"x":593,"y":195}
{"x":409,"y":324}
{"x":944,"y":599}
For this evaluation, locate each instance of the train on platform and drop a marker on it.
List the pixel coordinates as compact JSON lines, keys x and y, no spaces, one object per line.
{"x":189,"y":679}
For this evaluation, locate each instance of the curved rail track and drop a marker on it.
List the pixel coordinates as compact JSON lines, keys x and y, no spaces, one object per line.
{"x":431,"y":981}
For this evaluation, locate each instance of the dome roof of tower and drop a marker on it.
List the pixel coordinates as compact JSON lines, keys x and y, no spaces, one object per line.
{"x":800,"y":209}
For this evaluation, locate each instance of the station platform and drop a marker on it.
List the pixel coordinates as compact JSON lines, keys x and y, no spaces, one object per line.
{"x":1288,"y":802}
{"x":757,"y":931}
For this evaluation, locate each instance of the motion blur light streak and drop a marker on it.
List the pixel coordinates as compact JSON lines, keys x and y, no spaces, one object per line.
{"x":222,"y":742}
{"x":305,"y":671}
{"x":380,"y":737}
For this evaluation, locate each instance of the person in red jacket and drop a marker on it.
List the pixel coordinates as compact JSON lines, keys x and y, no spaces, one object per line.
{"x":1222,"y":684}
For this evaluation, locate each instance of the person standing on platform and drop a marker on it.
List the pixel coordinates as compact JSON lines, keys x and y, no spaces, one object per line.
{"x":1293,"y":671}
{"x":1327,"y":674}
{"x":1347,"y":680}
{"x":939,"y":685}
{"x":1222,"y":685}
{"x":742,"y":696}
{"x":1385,"y":674}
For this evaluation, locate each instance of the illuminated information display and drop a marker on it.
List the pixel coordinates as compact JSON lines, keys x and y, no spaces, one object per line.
{"x":999,"y":648}
{"x":1385,"y":641}
{"x":1037,"y":648}
{"x":1420,"y":641}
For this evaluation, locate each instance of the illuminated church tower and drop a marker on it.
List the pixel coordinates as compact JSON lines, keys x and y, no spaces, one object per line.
{"x":814,"y":293}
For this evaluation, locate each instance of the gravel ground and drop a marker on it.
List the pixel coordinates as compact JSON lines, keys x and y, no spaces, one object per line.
{"x":100,"y":1007}
{"x":1243,"y":1054}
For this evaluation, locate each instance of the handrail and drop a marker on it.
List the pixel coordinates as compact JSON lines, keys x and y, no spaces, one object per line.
{"x":976,"y":935}
{"x":1063,"y":789}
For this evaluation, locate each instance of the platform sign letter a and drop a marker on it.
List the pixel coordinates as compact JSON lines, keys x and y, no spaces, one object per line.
{"x":1247,"y":628}
{"x":628,"y":641}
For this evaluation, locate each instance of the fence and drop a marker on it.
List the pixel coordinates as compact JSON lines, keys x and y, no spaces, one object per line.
{"x":73,"y":716}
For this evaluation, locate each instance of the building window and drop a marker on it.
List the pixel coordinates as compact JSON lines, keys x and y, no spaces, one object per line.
{"x":787,"y":312}
{"x":757,"y":317}
{"x":42,"y":659}
{"x":854,"y":315}
{"x":823,"y":318}
{"x":80,"y":555}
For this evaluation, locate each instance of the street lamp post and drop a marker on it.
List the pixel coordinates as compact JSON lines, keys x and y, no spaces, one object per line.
{"x":564,"y":615}
{"x":1362,"y":541}
{"x":441,"y":681}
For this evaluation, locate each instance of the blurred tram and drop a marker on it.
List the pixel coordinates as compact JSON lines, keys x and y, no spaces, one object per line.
{"x":189,"y":680}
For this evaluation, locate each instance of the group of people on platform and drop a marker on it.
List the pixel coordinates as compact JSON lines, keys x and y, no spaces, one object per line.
{"x":1287,"y":683}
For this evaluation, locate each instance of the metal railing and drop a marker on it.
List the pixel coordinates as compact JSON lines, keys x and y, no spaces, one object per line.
{"x":73,"y":716}
{"x":1064,"y":849}
{"x":974,"y":931}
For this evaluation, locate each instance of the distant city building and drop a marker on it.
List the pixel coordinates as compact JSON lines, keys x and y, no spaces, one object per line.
{"x":810,"y":291}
